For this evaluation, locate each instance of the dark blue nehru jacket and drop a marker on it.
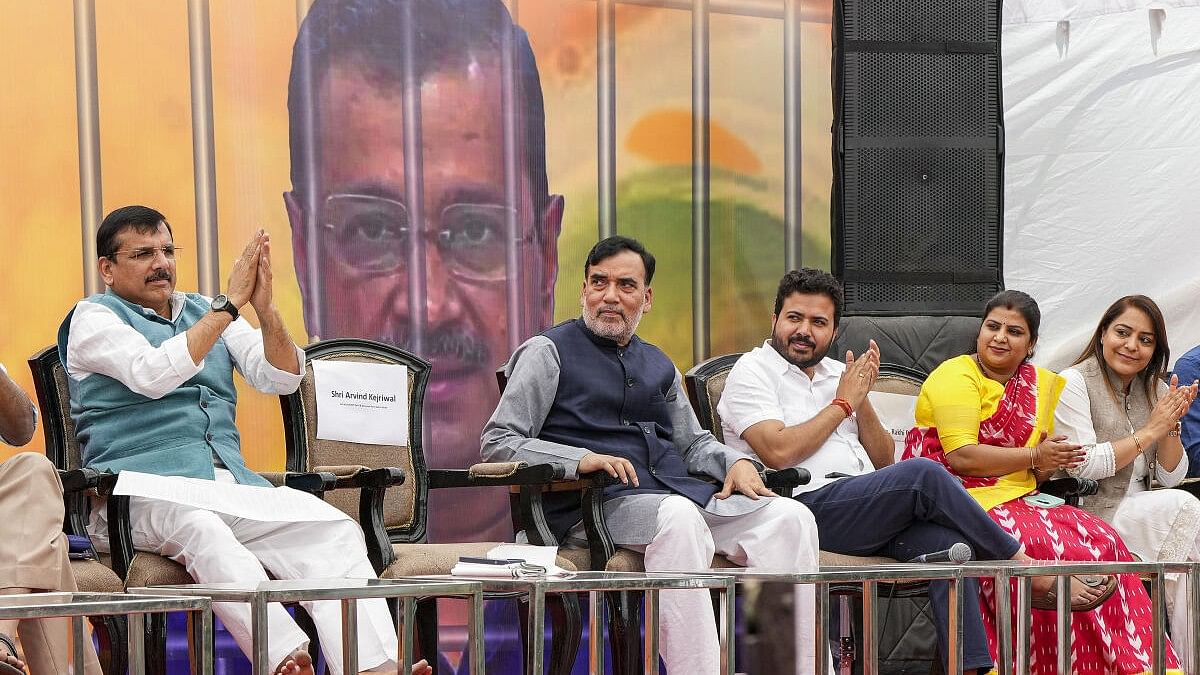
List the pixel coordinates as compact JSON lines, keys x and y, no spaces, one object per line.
{"x":613,"y":400}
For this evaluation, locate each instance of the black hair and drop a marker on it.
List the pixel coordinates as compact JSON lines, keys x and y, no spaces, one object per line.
{"x":811,"y":281}
{"x":607,"y":248}
{"x":448,"y":33}
{"x":1021,"y":303}
{"x":141,"y":218}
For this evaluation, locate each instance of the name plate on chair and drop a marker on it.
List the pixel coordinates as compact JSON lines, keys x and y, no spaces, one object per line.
{"x":361,"y":402}
{"x":897,"y":413}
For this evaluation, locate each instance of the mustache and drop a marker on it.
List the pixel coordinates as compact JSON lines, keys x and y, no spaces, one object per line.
{"x":160,"y":275}
{"x":611,"y":308}
{"x":454,"y":342}
{"x":807,"y":342}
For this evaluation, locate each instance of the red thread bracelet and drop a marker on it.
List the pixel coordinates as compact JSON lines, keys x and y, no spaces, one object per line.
{"x":844,"y":405}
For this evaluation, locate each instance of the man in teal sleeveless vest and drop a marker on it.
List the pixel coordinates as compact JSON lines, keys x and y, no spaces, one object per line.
{"x":592,"y":396}
{"x":151,"y":379}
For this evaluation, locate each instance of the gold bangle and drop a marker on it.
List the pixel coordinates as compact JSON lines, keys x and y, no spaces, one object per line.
{"x":1032,"y":461}
{"x":1138,"y":442}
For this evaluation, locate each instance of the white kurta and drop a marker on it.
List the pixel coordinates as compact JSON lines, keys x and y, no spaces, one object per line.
{"x":215,"y":533}
{"x":1158,"y":525}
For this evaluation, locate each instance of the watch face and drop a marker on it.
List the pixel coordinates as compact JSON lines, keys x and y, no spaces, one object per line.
{"x":221,"y":304}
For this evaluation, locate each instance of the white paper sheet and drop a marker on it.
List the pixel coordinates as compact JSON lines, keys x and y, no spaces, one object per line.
{"x":540,"y":556}
{"x":361,"y":402}
{"x":264,"y":504}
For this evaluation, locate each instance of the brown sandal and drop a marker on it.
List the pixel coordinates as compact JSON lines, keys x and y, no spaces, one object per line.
{"x":7,"y":668}
{"x":1108,"y":584}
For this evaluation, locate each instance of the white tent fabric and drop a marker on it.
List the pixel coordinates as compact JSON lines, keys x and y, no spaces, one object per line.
{"x":1102,"y":173}
{"x":1033,"y":11}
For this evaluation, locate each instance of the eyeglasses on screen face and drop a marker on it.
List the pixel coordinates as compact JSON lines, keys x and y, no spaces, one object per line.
{"x":145,"y":254}
{"x":373,"y":234}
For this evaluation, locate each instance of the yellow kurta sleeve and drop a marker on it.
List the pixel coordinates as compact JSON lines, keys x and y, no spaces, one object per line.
{"x":953,"y":400}
{"x":955,"y":392}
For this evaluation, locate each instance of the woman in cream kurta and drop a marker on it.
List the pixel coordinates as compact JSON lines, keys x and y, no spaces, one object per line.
{"x":1118,"y":407}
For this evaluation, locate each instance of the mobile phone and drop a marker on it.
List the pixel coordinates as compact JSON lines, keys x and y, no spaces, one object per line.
{"x":489,"y":561}
{"x":1044,"y":500}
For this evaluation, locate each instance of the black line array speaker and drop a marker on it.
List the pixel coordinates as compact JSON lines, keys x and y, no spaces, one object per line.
{"x":918,"y":150}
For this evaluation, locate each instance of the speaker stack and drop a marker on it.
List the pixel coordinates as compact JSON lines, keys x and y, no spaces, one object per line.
{"x":918,"y":153}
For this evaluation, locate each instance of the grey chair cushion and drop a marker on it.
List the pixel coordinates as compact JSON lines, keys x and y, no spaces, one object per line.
{"x":920,"y":342}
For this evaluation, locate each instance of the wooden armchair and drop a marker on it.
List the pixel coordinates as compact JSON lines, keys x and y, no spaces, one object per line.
{"x":394,"y":481}
{"x":122,"y":567}
{"x":91,"y":576}
{"x":601,"y":553}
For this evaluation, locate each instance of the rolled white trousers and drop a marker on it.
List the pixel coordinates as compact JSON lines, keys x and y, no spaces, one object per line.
{"x":779,"y":536}
{"x":216,"y":547}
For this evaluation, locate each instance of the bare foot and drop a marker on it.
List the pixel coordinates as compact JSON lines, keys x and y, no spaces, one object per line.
{"x":297,"y":663}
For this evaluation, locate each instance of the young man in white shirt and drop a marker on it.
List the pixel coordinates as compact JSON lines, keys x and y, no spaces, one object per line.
{"x":788,"y":404}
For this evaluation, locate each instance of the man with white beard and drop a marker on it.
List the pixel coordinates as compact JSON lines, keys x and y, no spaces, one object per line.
{"x":592,"y":396}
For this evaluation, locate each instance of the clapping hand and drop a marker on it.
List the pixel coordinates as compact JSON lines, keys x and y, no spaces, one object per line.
{"x":263,"y":288}
{"x":243,"y":279}
{"x":860,"y":376}
{"x":1172,"y":406}
{"x":1056,"y":453}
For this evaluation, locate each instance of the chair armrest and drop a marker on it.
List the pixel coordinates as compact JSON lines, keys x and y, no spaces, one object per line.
{"x":78,"y":485}
{"x":372,"y":485}
{"x":315,"y":482}
{"x":1191,"y":485}
{"x":361,"y":477}
{"x":496,"y":473}
{"x":600,"y":543}
{"x":1070,"y":488}
{"x":784,"y":480}
{"x":81,"y":480}
{"x":106,"y":483}
{"x":528,"y":504}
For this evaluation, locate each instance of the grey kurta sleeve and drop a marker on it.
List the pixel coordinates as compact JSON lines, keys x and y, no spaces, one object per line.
{"x":703,"y":452}
{"x":511,"y":434}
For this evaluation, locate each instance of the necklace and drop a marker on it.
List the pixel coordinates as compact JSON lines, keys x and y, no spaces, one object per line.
{"x":989,"y":373}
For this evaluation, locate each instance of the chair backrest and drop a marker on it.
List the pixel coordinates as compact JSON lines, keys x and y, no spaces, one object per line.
{"x":894,"y":398}
{"x":406,"y":505}
{"x":54,"y":401}
{"x":705,"y":382}
{"x":896,"y":379}
{"x":921,"y":343}
{"x":62,"y":448}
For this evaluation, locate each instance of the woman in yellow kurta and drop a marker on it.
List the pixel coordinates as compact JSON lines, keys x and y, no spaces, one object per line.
{"x":988,"y":418}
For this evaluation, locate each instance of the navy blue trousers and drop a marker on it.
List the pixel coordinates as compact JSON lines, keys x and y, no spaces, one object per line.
{"x":905,"y":510}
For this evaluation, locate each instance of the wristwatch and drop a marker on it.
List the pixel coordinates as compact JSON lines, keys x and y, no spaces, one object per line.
{"x":221,"y":303}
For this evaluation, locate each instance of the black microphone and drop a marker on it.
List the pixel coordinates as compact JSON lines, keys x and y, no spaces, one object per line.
{"x":958,"y":553}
